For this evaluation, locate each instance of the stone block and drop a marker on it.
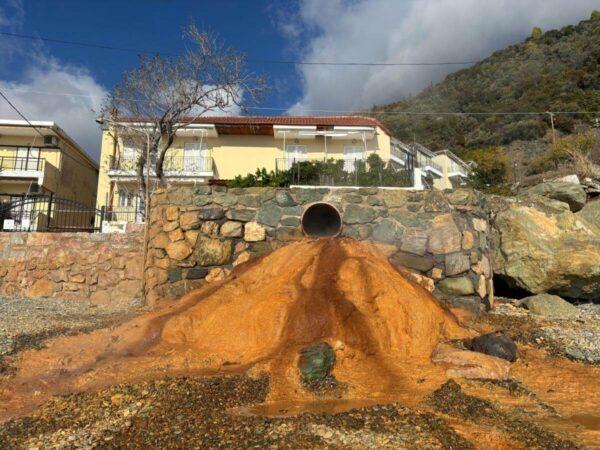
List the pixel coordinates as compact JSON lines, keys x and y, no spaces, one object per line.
{"x":189,"y":220}
{"x":445,"y":236}
{"x":414,"y":241}
{"x":252,"y":201}
{"x":456,"y":263}
{"x":175,"y":235}
{"x":213,"y":252}
{"x":269,"y":214}
{"x":232,"y":229}
{"x":174,"y":274}
{"x":178,"y":250}
{"x":456,"y":286}
{"x":411,"y":261}
{"x":210,"y":228}
{"x":286,"y":234}
{"x":358,"y":214}
{"x":284,"y":199}
{"x":41,"y":288}
{"x":196,"y":273}
{"x":387,"y":230}
{"x":242,"y":215}
{"x":211,"y":213}
{"x":242,"y":258}
{"x":170,"y":226}
{"x":467,"y":240}
{"x":171,"y":213}
{"x":290,"y":221}
{"x":254,"y":232}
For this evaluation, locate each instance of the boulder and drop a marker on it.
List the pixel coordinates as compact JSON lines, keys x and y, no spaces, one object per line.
{"x":414,"y":241}
{"x":572,"y":194}
{"x":495,"y":344}
{"x":178,"y":250}
{"x":456,"y":286}
{"x":316,"y":362}
{"x":591,"y":213}
{"x":543,"y":247}
{"x":468,"y":364}
{"x":549,"y":305}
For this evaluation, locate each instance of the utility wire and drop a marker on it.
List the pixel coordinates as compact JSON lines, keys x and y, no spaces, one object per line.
{"x":347,"y":111}
{"x":11,"y":104}
{"x":259,"y":61}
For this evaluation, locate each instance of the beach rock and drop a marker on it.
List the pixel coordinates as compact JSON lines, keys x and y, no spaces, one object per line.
{"x":572,"y":194}
{"x":549,"y":306}
{"x":316,"y":362}
{"x":468,"y":364}
{"x":495,"y":344}
{"x":544,"y":247}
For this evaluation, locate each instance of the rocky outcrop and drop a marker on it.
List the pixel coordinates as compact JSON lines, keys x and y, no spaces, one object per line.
{"x":591,"y":213}
{"x":570,"y":193}
{"x":549,"y":305}
{"x":541,"y":246}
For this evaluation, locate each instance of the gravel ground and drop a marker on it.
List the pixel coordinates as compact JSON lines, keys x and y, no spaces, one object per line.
{"x":577,"y":338}
{"x":27,"y":322}
{"x":198,"y":413}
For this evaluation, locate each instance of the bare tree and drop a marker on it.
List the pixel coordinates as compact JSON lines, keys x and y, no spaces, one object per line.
{"x":163,"y":94}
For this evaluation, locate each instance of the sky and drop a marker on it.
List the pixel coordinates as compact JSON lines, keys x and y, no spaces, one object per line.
{"x":67,"y":83}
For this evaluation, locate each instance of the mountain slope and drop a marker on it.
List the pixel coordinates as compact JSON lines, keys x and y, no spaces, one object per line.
{"x":555,"y":71}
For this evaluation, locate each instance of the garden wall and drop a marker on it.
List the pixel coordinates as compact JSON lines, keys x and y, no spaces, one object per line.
{"x":105,"y":268}
{"x":198,"y":234}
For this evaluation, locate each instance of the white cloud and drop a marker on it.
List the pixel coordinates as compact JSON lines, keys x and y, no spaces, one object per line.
{"x":69,"y":96}
{"x":408,"y":31}
{"x":12,"y":16}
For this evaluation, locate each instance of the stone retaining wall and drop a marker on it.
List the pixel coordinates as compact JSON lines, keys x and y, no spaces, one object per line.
{"x":198,"y":234}
{"x":106,"y":268}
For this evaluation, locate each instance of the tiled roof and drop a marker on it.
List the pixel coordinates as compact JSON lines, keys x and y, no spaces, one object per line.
{"x":356,"y":121}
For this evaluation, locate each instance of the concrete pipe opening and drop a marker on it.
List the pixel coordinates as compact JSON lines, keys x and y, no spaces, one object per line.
{"x":321,"y":220}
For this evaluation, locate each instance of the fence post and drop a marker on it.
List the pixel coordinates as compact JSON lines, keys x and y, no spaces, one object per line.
{"x":49,"y":211}
{"x":102,"y":214}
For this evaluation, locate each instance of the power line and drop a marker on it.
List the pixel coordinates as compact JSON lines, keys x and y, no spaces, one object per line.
{"x":11,"y":104}
{"x":342,"y":111}
{"x":259,"y":61}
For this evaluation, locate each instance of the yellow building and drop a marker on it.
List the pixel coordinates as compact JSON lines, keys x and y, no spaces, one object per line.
{"x":211,"y":148}
{"x":40,"y":158}
{"x":52,"y":163}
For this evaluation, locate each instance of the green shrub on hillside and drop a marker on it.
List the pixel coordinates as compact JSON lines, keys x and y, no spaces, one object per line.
{"x":489,"y":173}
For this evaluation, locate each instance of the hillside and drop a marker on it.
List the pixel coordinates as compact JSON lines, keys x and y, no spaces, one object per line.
{"x":554,"y":71}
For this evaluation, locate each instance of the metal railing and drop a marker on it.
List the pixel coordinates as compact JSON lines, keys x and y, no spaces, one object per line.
{"x":372,"y":171}
{"x":425,"y":161}
{"x":45,"y":212}
{"x":21,"y":163}
{"x":176,"y":164}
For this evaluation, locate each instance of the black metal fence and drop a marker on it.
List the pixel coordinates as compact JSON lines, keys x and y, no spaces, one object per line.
{"x":45,"y":212}
{"x":372,"y":171}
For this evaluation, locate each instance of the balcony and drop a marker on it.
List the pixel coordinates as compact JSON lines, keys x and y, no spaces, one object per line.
{"x":18,"y":164}
{"x":28,"y":170}
{"x":173,"y":167}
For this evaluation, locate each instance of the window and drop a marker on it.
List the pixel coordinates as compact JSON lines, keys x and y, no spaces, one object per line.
{"x":126,"y":198}
{"x":353,"y":153}
{"x":129,"y":151}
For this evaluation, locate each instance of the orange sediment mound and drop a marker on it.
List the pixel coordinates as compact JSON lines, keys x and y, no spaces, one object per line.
{"x":382,"y":327}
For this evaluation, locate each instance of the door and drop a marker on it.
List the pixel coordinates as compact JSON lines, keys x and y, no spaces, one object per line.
{"x":352,"y":154}
{"x":295,"y":153}
{"x":195,"y":157}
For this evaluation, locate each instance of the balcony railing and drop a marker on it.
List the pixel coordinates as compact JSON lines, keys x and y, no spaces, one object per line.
{"x":172,"y":165}
{"x":21,"y":163}
{"x":343,"y":172}
{"x":424,"y":162}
